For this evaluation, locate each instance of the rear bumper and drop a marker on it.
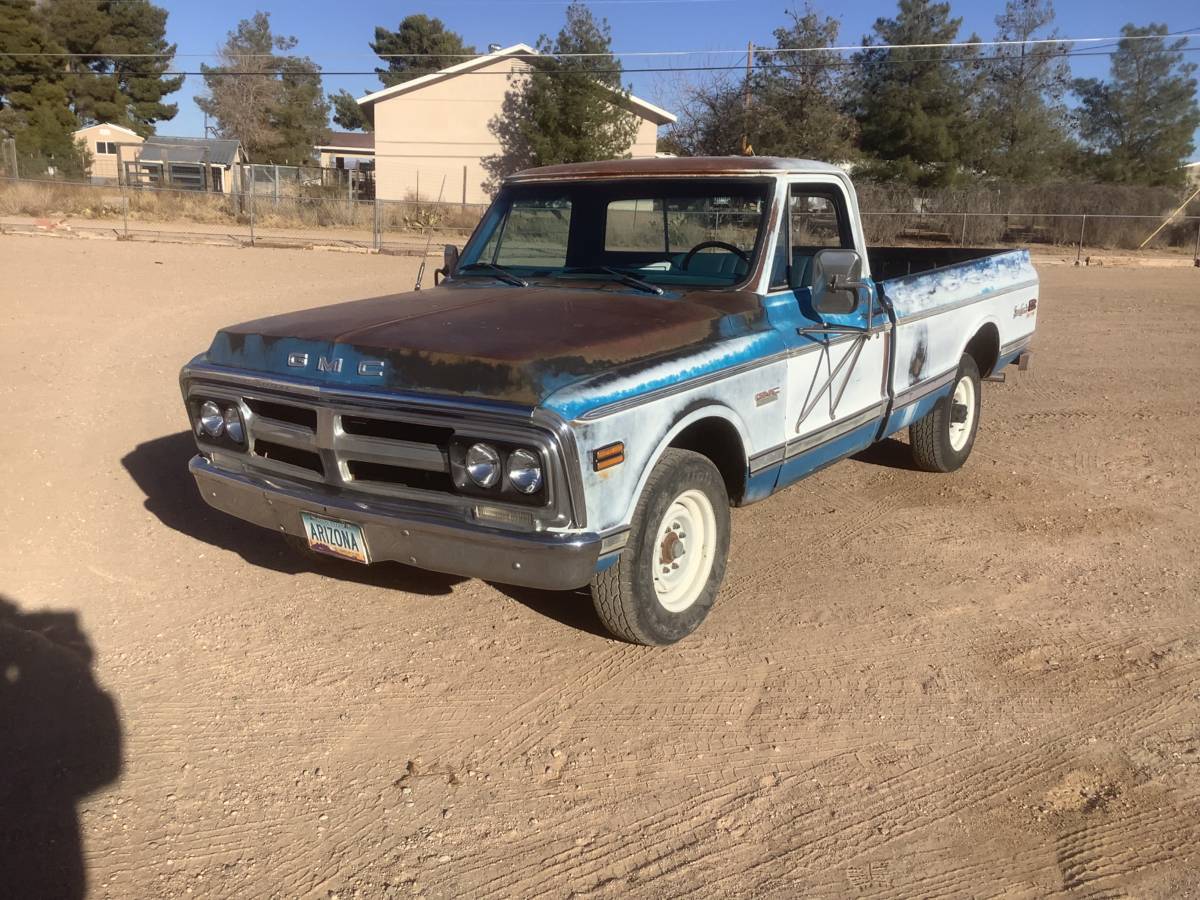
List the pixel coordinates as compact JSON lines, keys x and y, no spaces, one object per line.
{"x":406,"y":532}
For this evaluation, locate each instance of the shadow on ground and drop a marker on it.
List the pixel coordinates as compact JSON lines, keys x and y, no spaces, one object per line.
{"x":160,"y":468}
{"x":571,"y":608}
{"x":60,"y":739}
{"x":889,"y":453}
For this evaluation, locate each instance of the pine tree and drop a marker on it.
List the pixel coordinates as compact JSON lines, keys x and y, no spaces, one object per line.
{"x":1139,"y":124}
{"x":1023,"y":89}
{"x":567,"y":109}
{"x":278,"y":111}
{"x":913,"y":105}
{"x":33,"y":96}
{"x":419,"y":46}
{"x":107,"y":84}
{"x":347,"y":113}
{"x":796,"y":107}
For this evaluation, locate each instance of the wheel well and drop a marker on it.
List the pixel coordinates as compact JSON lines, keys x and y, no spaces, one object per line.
{"x":985,"y":348}
{"x":719,"y":440}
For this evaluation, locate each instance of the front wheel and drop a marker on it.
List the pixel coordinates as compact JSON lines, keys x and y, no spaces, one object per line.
{"x":667,"y":577}
{"x":942,"y":439}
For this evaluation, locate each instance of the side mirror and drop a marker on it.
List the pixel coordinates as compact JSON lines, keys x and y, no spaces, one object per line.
{"x":837,"y":280}
{"x":449,"y":263}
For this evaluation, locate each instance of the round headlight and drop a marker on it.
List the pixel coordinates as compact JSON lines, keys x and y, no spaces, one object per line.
{"x":233,"y":425}
{"x":525,"y":471}
{"x":211,"y":419}
{"x":483,"y":465}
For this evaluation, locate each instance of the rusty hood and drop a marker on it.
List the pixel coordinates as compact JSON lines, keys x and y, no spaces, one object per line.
{"x":493,"y":342}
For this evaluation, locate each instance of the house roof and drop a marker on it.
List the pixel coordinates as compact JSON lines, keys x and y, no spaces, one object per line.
{"x":127,"y":131}
{"x":194,"y":150}
{"x":644,"y":108}
{"x":350,"y":140}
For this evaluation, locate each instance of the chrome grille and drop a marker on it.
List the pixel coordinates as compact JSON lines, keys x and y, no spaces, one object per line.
{"x":370,"y":451}
{"x":398,"y":451}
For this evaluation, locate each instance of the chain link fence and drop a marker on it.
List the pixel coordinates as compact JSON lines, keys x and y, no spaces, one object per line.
{"x":286,"y":206}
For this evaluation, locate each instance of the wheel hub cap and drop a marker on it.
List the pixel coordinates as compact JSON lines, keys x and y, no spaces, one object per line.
{"x":962,"y":413}
{"x":686,"y":543}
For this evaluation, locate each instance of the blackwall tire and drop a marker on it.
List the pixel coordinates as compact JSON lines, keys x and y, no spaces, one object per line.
{"x":666,"y":579}
{"x":942,"y":440}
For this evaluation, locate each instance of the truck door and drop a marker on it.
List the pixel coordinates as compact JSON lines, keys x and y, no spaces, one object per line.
{"x":837,"y":372}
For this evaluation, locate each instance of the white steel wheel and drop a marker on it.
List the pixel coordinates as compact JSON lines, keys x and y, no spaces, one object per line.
{"x":962,"y":413}
{"x":666,"y":579}
{"x":942,"y":439}
{"x":687,"y":540}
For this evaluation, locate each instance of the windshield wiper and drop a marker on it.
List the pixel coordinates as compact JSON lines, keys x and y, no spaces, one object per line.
{"x":617,"y":274}
{"x":487,"y":268}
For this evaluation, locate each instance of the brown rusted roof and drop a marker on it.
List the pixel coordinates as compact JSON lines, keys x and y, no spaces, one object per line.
{"x":676,"y":165}
{"x":349,"y":140}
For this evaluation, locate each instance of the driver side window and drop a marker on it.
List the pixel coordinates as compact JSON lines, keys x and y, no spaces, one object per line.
{"x":816,"y":220}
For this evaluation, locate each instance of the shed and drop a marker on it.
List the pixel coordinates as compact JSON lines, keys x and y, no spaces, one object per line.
{"x":184,"y":163}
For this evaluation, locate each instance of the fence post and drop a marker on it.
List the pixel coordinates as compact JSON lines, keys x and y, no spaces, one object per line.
{"x":1082,"y":226}
{"x":378,"y":237}
{"x":1196,"y":252}
{"x":125,"y":211}
{"x":252,"y":180}
{"x":962,"y":241}
{"x":275,"y":181}
{"x":464,"y":200}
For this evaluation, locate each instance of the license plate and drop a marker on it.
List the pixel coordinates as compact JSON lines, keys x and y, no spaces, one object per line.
{"x":340,"y":539}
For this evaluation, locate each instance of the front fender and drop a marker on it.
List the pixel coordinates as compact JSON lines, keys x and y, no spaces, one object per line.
{"x":695,"y":413}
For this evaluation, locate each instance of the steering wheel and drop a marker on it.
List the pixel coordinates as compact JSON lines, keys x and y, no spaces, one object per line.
{"x":687,"y":257}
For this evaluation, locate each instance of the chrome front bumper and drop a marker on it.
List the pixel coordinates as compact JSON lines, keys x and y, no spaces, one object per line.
{"x":406,"y":532}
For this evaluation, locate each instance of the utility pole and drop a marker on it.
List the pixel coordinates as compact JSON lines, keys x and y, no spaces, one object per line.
{"x":747,"y":150}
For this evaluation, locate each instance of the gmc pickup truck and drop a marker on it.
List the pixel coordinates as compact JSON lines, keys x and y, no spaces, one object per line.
{"x":621,"y":352}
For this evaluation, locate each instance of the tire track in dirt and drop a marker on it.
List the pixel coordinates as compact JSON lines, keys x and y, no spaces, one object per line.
{"x":956,"y":788}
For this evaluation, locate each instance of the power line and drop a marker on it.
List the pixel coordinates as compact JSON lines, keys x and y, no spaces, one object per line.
{"x":216,"y":71}
{"x":844,"y":48}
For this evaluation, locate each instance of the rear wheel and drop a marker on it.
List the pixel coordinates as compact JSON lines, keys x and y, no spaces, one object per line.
{"x":942,"y":440}
{"x":666,"y":579}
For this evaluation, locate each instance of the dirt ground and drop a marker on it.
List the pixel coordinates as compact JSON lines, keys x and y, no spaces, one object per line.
{"x":980,"y":684}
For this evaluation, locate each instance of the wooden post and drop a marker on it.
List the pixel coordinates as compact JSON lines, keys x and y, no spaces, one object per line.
{"x":378,"y":236}
{"x":1079,"y":251}
{"x":962,"y":241}
{"x":275,"y":176}
{"x":1196,"y":252}
{"x":251,"y":207}
{"x":747,"y":150}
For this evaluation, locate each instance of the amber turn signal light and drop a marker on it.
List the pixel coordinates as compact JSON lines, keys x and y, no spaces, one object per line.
{"x":608,"y":456}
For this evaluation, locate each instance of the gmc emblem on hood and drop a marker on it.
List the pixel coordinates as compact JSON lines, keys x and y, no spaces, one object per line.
{"x":368,"y":368}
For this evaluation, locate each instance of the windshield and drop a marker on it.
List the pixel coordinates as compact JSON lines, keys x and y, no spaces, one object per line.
{"x":698,"y":232}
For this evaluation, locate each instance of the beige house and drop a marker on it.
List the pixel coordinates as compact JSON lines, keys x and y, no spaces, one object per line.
{"x":436,"y":127}
{"x":103,"y":141}
{"x":347,"y":150}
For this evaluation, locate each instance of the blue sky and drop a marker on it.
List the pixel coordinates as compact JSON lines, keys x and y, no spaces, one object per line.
{"x":336,"y":34}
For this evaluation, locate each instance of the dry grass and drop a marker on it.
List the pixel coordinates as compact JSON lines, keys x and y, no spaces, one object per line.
{"x":61,"y":199}
{"x":1048,"y":214}
{"x":1118,"y":216}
